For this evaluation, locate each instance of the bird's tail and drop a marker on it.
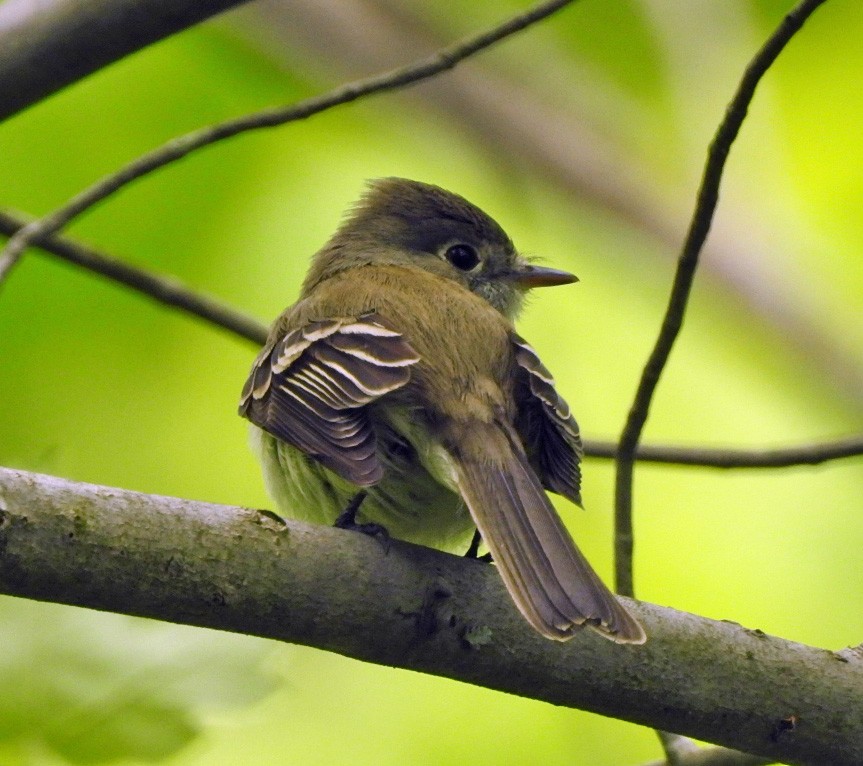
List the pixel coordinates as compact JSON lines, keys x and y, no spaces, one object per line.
{"x":546,"y":575}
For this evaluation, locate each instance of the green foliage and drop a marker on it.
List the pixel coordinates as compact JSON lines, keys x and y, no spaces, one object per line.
{"x":84,"y":687}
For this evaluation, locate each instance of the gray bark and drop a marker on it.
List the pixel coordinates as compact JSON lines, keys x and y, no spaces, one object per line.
{"x":245,"y":570}
{"x":45,"y":46}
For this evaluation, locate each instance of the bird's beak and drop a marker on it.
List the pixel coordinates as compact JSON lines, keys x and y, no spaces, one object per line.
{"x":528,"y":275}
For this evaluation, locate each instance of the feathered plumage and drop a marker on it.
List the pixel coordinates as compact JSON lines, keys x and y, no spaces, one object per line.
{"x":399,"y":371}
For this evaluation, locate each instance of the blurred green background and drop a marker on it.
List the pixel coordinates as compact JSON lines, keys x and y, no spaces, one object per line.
{"x":585,"y":137}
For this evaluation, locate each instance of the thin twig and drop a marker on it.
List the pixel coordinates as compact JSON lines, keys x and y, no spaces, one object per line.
{"x":179,"y":147}
{"x":708,"y":196}
{"x":706,"y":457}
{"x":168,"y":291}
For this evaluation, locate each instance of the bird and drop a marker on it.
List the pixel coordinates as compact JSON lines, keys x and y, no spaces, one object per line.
{"x":395,"y":395}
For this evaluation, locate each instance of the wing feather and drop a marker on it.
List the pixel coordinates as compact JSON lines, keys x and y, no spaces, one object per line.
{"x":546,"y":425}
{"x":311,"y":389}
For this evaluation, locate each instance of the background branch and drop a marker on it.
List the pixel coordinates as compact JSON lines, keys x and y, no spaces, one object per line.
{"x":708,"y":196}
{"x":165,"y":290}
{"x":248,"y":571}
{"x":181,"y":146}
{"x":45,"y":46}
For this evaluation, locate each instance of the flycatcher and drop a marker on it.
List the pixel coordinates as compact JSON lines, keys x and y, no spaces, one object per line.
{"x":398,"y":374}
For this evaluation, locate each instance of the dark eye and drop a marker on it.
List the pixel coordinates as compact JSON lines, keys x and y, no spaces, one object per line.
{"x":463,"y":257}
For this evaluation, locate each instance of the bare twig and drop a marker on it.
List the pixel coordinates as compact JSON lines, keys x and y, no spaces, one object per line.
{"x":248,"y":571}
{"x":682,"y":751}
{"x":781,"y":457}
{"x":708,"y":195}
{"x":179,"y":147}
{"x":165,"y":290}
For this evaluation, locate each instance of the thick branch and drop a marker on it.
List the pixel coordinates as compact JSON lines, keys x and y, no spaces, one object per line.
{"x":247,"y":571}
{"x":699,"y":227}
{"x":45,"y":46}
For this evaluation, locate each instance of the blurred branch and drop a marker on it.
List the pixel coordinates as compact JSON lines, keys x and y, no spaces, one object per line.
{"x":165,"y":290}
{"x":181,"y":146}
{"x":168,"y":291}
{"x":248,"y":571}
{"x":507,"y":116}
{"x":47,"y":45}
{"x":708,"y":196}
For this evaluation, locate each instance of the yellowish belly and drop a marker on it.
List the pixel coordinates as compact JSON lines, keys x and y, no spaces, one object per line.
{"x":408,"y":501}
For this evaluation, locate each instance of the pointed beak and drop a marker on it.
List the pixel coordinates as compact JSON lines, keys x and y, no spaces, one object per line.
{"x":530,"y":275}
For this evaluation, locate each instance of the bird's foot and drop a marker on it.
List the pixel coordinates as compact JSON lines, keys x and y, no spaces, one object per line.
{"x":473,"y":550}
{"x":347,"y":519}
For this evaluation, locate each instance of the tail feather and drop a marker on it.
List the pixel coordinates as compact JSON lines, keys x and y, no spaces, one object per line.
{"x":549,"y":579}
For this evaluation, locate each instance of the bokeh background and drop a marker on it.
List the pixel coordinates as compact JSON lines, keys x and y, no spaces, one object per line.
{"x":585,"y":137}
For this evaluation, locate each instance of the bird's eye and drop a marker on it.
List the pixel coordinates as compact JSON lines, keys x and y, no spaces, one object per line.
{"x":462,"y":256}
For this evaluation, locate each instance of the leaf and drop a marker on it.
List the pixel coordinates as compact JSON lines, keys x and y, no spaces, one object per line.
{"x":94,"y":688}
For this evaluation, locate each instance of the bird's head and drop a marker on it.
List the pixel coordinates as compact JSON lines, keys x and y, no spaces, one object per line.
{"x":402,"y":222}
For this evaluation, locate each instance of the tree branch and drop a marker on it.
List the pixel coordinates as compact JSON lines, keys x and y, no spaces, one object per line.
{"x":248,"y":571}
{"x":707,"y":457}
{"x":708,"y":196}
{"x":165,"y":290}
{"x":46,"y":46}
{"x":181,"y":146}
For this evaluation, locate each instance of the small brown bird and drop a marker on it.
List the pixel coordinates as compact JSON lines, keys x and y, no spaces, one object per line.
{"x":398,"y":374}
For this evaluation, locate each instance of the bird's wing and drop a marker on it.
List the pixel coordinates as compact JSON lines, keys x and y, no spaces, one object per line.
{"x":546,"y":426}
{"x":311,"y":387}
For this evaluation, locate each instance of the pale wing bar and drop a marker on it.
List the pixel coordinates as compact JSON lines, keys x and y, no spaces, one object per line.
{"x":311,"y":387}
{"x":546,"y":425}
